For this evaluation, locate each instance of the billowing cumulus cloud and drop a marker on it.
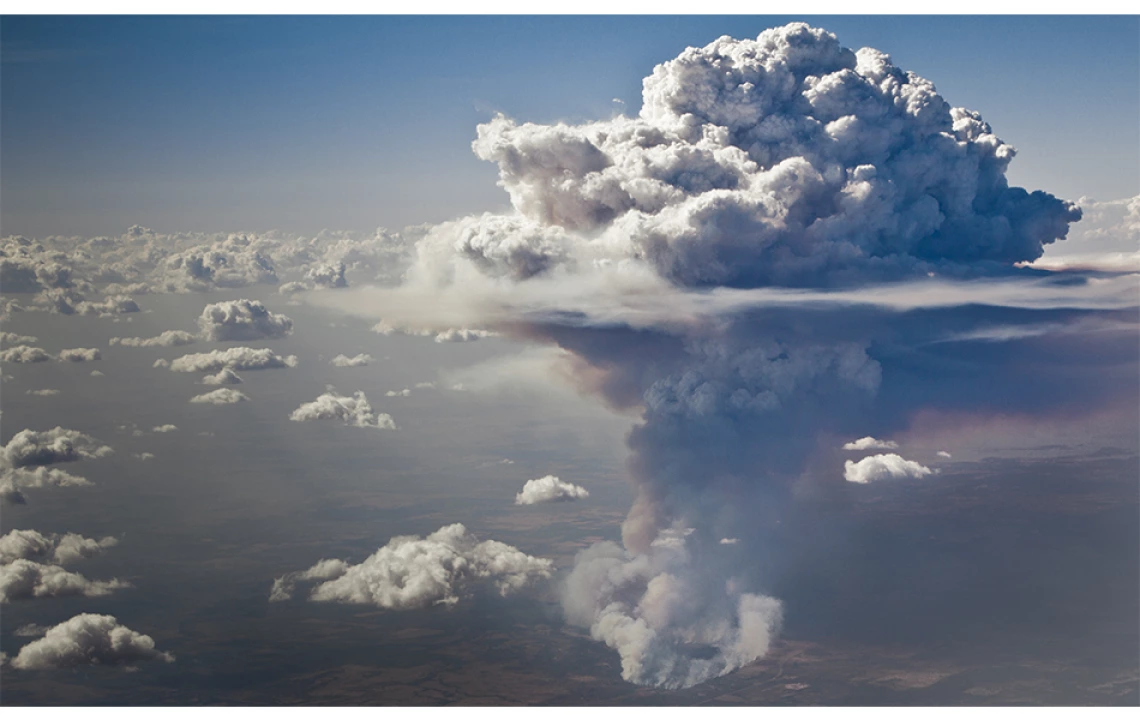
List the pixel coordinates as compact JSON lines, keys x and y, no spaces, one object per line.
{"x":883,"y":467}
{"x":29,"y":448}
{"x":225,"y":376}
{"x":61,"y":549}
{"x":414,"y":572}
{"x":168,"y":338}
{"x":23,"y":579}
{"x":355,"y":361}
{"x":13,"y":481}
{"x":80,"y":355}
{"x":327,"y":276}
{"x":235,"y":358}
{"x":88,"y":639}
{"x":25,"y":354}
{"x":774,"y":253}
{"x":221,"y":396}
{"x":944,"y":454}
{"x":549,"y":489}
{"x":870,"y":443}
{"x":11,"y":338}
{"x":242,"y":320}
{"x":353,"y":410}
{"x":164,"y":428}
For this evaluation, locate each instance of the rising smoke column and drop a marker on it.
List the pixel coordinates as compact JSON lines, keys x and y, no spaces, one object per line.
{"x":787,"y":161}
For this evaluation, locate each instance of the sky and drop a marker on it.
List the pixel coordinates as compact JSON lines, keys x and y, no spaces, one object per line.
{"x":569,"y":361}
{"x":302,"y":124}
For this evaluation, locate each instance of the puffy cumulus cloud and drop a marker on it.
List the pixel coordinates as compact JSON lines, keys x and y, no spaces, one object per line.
{"x":164,"y":428}
{"x":785,"y":160}
{"x":13,"y":481}
{"x":221,"y":396}
{"x":61,"y":549}
{"x":549,"y":489}
{"x":414,"y":572}
{"x":25,"y":354}
{"x":718,"y":266}
{"x":80,"y":355}
{"x":327,"y":276}
{"x":168,"y":338}
{"x":88,"y":639}
{"x":235,"y":358}
{"x":670,"y":627}
{"x":883,"y":467}
{"x":353,"y":410}
{"x":870,"y":443}
{"x":242,"y":320}
{"x":57,"y":271}
{"x":945,"y":455}
{"x":29,"y":448}
{"x":355,"y":361}
{"x":22,"y":579}
{"x":463,"y":335}
{"x":46,"y":392}
{"x":11,"y":338}
{"x":225,"y":376}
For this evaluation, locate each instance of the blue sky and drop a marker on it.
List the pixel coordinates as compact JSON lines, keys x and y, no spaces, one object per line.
{"x":297,"y":123}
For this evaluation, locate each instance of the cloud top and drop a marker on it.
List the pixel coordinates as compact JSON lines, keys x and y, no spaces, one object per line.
{"x":877,"y":468}
{"x":414,"y":572}
{"x":549,"y":489}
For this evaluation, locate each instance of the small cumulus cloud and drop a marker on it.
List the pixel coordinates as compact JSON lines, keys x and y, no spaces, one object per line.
{"x":549,"y":489}
{"x":235,"y":358}
{"x":355,"y":361}
{"x":353,"y":410}
{"x":225,"y":376}
{"x":88,"y":639}
{"x":25,"y":354}
{"x":80,"y":355}
{"x":221,"y":396}
{"x":883,"y":467}
{"x":169,"y":338}
{"x":46,"y":392}
{"x":242,"y":320}
{"x":870,"y":443}
{"x":414,"y":572}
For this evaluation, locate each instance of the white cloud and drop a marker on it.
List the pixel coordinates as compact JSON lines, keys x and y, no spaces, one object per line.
{"x":235,"y":358}
{"x":242,"y":320}
{"x":24,"y":354}
{"x":144,"y":456}
{"x":168,"y":338}
{"x":549,"y":489}
{"x":413,"y":572}
{"x":88,"y":639}
{"x":353,"y":410}
{"x":944,"y":454}
{"x":11,"y":338}
{"x":46,"y":392}
{"x":875,"y":468}
{"x":225,"y":376}
{"x":96,"y":373}
{"x":221,"y":396}
{"x":354,"y":361}
{"x":870,"y":443}
{"x":164,"y":428}
{"x":61,"y":549}
{"x":80,"y":355}
{"x":14,"y":480}
{"x":22,"y":579}
{"x":31,"y":448}
{"x":398,"y":393}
